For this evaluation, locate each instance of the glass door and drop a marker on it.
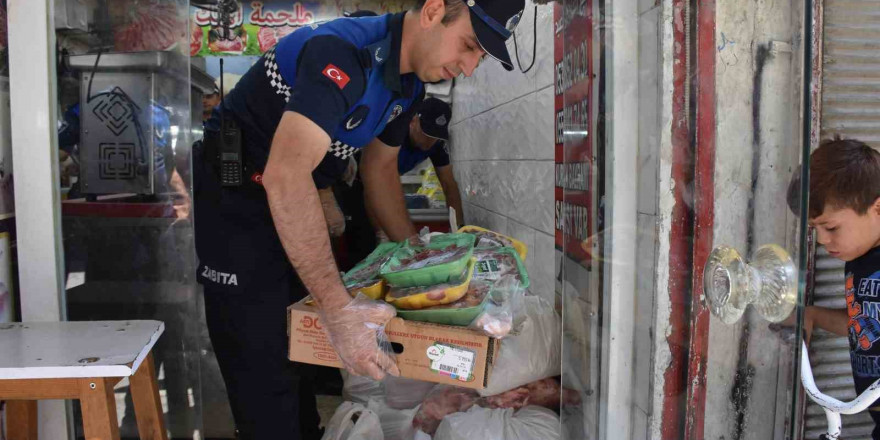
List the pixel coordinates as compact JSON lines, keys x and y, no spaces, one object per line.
{"x":682,"y":128}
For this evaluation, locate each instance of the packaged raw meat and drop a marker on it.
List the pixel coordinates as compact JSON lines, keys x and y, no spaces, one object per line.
{"x":515,"y":398}
{"x":439,"y":261}
{"x":429,"y":257}
{"x":367,"y":272}
{"x":475,"y":296}
{"x":440,"y":402}
{"x":460,"y":313}
{"x":364,"y":277}
{"x":494,"y":264}
{"x":547,"y":393}
{"x":486,"y":239}
{"x":415,"y":298}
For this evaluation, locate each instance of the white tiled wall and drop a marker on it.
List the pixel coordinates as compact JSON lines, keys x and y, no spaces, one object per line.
{"x":503,"y":146}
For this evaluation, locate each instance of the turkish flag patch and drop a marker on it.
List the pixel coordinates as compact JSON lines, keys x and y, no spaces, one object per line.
{"x":336,"y":75}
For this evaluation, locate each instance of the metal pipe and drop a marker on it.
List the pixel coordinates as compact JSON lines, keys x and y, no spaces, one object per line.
{"x":833,"y":407}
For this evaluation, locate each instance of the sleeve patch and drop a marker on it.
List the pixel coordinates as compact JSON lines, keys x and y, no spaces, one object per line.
{"x":337,"y":75}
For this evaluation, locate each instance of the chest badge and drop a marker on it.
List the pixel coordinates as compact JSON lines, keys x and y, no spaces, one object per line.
{"x":357,"y":117}
{"x":398,"y":109}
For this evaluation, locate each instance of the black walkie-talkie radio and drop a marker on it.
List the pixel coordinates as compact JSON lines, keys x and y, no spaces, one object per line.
{"x":230,"y":146}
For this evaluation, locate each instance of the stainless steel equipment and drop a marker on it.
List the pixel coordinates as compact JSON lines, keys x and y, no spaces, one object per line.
{"x":128,"y":131}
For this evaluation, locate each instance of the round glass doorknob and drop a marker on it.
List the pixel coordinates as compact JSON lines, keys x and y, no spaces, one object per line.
{"x":769,"y":283}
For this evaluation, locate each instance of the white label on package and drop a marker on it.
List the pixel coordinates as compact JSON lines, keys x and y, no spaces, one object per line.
{"x":489,"y":269}
{"x":455,"y":362}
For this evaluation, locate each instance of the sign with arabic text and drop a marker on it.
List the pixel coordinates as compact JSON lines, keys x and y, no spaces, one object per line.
{"x":258,"y":25}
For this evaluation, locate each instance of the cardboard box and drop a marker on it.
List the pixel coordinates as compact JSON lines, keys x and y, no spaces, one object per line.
{"x":429,"y":352}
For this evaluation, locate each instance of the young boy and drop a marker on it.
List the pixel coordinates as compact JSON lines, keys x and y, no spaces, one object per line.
{"x":845,"y":212}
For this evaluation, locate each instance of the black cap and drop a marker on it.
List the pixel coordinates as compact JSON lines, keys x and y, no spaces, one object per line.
{"x":434,"y":116}
{"x":494,"y":22}
{"x":360,"y":13}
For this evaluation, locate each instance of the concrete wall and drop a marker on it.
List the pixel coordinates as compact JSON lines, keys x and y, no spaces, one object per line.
{"x":503,"y":146}
{"x":758,"y":81}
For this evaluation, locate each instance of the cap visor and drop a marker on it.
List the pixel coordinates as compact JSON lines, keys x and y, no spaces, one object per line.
{"x":491,"y":42}
{"x":437,"y":133}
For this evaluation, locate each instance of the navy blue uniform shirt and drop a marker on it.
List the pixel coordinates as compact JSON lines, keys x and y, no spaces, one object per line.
{"x":344,"y":75}
{"x":409,"y":156}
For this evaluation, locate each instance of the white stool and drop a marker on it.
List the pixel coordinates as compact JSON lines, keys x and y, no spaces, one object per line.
{"x":84,"y":361}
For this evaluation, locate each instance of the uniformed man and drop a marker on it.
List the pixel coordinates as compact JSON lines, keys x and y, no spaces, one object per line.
{"x":324,"y":92}
{"x":427,"y":139}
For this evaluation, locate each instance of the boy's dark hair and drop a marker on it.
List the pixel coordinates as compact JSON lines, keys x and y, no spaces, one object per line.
{"x":454,"y":9}
{"x":844,"y":173}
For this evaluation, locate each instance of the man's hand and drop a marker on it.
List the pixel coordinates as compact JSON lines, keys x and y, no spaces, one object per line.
{"x":353,"y":330}
{"x":298,"y":147}
{"x":383,"y":192}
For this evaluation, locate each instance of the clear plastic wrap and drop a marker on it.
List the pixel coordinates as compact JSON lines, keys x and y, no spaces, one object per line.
{"x":495,"y":264}
{"x":497,"y":319}
{"x":357,"y":332}
{"x":360,"y":389}
{"x":436,"y":292}
{"x":476,"y":293}
{"x":489,"y":239}
{"x":367,"y":275}
{"x":532,"y":353}
{"x":403,"y":393}
{"x":430,"y":257}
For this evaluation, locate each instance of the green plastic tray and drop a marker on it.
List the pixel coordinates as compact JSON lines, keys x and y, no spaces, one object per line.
{"x":380,"y":251}
{"x":430,"y":275}
{"x":460,"y":317}
{"x":480,"y":268}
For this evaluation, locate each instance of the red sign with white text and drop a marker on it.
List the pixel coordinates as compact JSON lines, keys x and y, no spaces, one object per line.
{"x":573,"y":54}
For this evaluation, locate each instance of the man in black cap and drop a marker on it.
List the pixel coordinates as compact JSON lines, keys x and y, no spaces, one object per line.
{"x":289,"y":126}
{"x":427,"y":139}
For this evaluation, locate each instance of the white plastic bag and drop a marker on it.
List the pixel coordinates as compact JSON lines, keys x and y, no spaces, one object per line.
{"x":360,"y":389}
{"x":532,"y":353}
{"x":403,"y":393}
{"x":396,"y":424}
{"x":343,"y":425}
{"x":529,"y":423}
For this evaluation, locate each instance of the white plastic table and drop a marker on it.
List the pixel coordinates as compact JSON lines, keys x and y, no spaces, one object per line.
{"x":80,"y":360}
